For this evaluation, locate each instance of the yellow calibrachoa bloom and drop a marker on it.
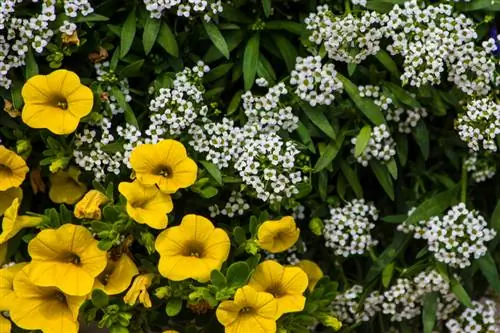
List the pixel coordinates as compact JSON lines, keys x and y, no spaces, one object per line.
{"x":7,"y":275}
{"x":72,"y":257}
{"x":192,"y":250}
{"x":251,"y":311}
{"x":146,"y":204}
{"x":65,"y":186}
{"x":13,"y":169}
{"x":164,"y":164}
{"x":286,"y":284}
{"x":89,"y":206}
{"x":44,"y":308}
{"x":12,"y":223}
{"x":117,"y":275}
{"x":313,"y":271}
{"x":56,"y":102}
{"x":139,"y":291}
{"x":5,"y":325}
{"x":8,"y":196}
{"x":279,"y":235}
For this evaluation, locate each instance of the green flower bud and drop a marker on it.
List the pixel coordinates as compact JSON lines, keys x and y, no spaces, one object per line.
{"x":59,"y":164}
{"x":331,"y":321}
{"x":316,"y":226}
{"x":251,"y":247}
{"x":162,"y":292}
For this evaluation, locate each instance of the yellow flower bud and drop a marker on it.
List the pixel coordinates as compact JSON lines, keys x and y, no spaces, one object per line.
{"x":71,"y":39}
{"x":89,"y":206}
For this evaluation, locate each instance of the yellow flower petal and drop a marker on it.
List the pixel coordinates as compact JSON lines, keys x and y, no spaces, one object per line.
{"x":139,"y":291}
{"x":7,"y":275}
{"x":8,"y":196}
{"x":67,"y":258}
{"x":13,"y":169}
{"x":89,"y":206}
{"x":117,"y":276}
{"x":65,"y":186}
{"x":313,"y":271}
{"x":5,"y":325}
{"x":278,"y":236}
{"x":12,"y":223}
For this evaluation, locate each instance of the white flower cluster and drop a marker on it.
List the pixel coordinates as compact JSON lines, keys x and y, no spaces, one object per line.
{"x":346,"y":38}
{"x":267,"y":113}
{"x":482,"y":167}
{"x":348,"y":308}
{"x":359,"y":2}
{"x":481,"y":318}
{"x":347,"y":231}
{"x":235,"y":206}
{"x":480,"y":124}
{"x":73,"y":8}
{"x":455,"y":238}
{"x":176,"y":108}
{"x":185,"y":8}
{"x":298,"y":212}
{"x":380,"y":147}
{"x":108,"y":79}
{"x":316,"y":83}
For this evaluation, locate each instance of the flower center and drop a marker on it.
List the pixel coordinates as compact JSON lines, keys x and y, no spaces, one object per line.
{"x":164,"y":171}
{"x":194,"y":249}
{"x":74,"y":259}
{"x":276,"y":290}
{"x":247,"y":310}
{"x":60,"y":297}
{"x":5,"y":170}
{"x":61,"y":102}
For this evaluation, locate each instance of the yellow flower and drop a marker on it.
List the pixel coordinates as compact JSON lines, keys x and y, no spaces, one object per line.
{"x":117,"y":275}
{"x":13,"y":169}
{"x":65,"y":186}
{"x":7,"y":275}
{"x":286,"y":284}
{"x":164,"y":164}
{"x":44,"y":308}
{"x":72,"y":257}
{"x":56,"y":101}
{"x":89,"y":206}
{"x":146,"y":204}
{"x":278,"y":236}
{"x":12,"y":223}
{"x":8,"y":196}
{"x":192,"y":250}
{"x":313,"y":271}
{"x":5,"y":325}
{"x":71,"y":39}
{"x":251,"y":311}
{"x":139,"y":291}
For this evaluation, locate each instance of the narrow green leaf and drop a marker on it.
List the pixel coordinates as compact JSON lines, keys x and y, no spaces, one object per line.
{"x":429,"y":314}
{"x":351,"y":68}
{"x":167,"y":41}
{"x":402,"y":148}
{"x":214,"y":171}
{"x":393,"y":168}
{"x":352,"y":178}
{"x":362,"y":140}
{"x":265,"y":69}
{"x":490,"y":271}
{"x":386,"y":60}
{"x":328,"y":154}
{"x":120,"y":99}
{"x":251,"y":61}
{"x":366,"y":106}
{"x":323,"y":184}
{"x":421,"y":134}
{"x":151,"y":30}
{"x":495,"y":217}
{"x":233,"y":39}
{"x":461,"y":294}
{"x":217,"y":72}
{"x":305,"y":137}
{"x":384,"y":177}
{"x":114,"y":59}
{"x":127,"y":33}
{"x":293,"y":27}
{"x":390,"y":253}
{"x":31,"y":65}
{"x":216,"y":37}
{"x":92,"y":18}
{"x":387,"y":275}
{"x":287,"y":50}
{"x":132,"y":70}
{"x":235,"y":102}
{"x":319,"y":119}
{"x":434,"y":206}
{"x":267,"y":6}
{"x":402,"y":95}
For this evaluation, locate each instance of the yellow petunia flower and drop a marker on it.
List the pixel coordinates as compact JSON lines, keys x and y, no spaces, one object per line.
{"x":139,"y":291}
{"x":12,"y":223}
{"x":72,"y":257}
{"x":147,"y":204}
{"x":65,"y":186}
{"x":7,"y":275}
{"x":192,"y":250}
{"x":278,"y":236}
{"x":117,"y":275}
{"x":286,"y":284}
{"x":89,"y":206}
{"x":165,"y":165}
{"x":13,"y":169}
{"x":251,"y":311}
{"x":5,"y":325}
{"x":44,"y":308}
{"x":56,"y":102}
{"x":8,"y":196}
{"x":313,"y":271}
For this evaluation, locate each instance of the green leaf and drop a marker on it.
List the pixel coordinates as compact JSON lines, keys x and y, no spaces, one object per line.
{"x":232,"y":38}
{"x":209,"y":192}
{"x":118,"y":329}
{"x":127,"y":33}
{"x":318,"y":118}
{"x":421,"y":134}
{"x":290,"y":26}
{"x":214,"y":171}
{"x":235,"y":102}
{"x":167,"y":41}
{"x":217,"y":72}
{"x":387,"y":275}
{"x":287,"y":50}
{"x":352,"y":178}
{"x":251,"y":61}
{"x":490,"y":271}
{"x":31,"y":65}
{"x":328,"y":154}
{"x":265,"y":69}
{"x":402,"y":95}
{"x":429,"y":314}
{"x":323,"y":184}
{"x":216,"y":37}
{"x":495,"y":217}
{"x":305,"y":137}
{"x":218,"y":279}
{"x":114,"y":59}
{"x":267,"y":6}
{"x":239,"y":235}
{"x":384,"y":177}
{"x":92,"y":18}
{"x":237,"y":274}
{"x":99,"y":298}
{"x":132,"y":70}
{"x":362,"y":140}
{"x":366,"y":106}
{"x":479,"y":5}
{"x":393,"y":168}
{"x":174,"y":307}
{"x":151,"y":30}
{"x":390,"y":253}
{"x":120,"y":99}
{"x":461,"y":294}
{"x":402,"y":148}
{"x":386,"y":60}
{"x":434,"y":206}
